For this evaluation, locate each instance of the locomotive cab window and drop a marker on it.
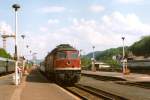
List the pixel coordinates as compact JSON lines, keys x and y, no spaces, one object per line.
{"x":61,"y":55}
{"x":74,"y":55}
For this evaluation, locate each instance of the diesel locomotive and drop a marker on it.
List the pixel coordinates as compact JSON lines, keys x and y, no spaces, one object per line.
{"x":62,"y":64}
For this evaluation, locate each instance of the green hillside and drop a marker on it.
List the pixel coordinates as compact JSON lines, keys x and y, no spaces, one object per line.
{"x":106,"y":55}
{"x":141,"y":47}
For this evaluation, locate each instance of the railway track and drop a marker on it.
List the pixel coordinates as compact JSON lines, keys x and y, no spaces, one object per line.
{"x":89,"y":93}
{"x":145,"y":85}
{"x":104,"y":78}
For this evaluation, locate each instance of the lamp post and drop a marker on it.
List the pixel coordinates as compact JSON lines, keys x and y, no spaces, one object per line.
{"x":16,"y":7}
{"x":123,"y":55}
{"x":23,"y":56}
{"x":123,"y":38}
{"x":23,"y":36}
{"x":80,"y":53}
{"x":34,"y":57}
{"x":93,"y":59}
{"x":93,"y":53}
{"x":28,"y":56}
{"x":27,"y":46}
{"x":30,"y":51}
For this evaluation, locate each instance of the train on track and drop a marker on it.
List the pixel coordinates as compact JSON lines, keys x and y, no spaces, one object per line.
{"x":139,"y":64}
{"x":62,"y":64}
{"x":6,"y":65}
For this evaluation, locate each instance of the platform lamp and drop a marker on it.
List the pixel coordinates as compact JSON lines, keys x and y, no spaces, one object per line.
{"x":23,"y":37}
{"x":123,"y":55}
{"x":27,"y":46}
{"x":16,"y":8}
{"x":23,"y":56}
{"x":93,"y":59}
{"x":80,"y":53}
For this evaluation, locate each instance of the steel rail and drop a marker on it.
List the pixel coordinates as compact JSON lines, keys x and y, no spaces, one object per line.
{"x":145,"y":85}
{"x":92,"y":93}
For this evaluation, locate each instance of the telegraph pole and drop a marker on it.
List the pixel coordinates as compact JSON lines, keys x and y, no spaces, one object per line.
{"x":16,"y":7}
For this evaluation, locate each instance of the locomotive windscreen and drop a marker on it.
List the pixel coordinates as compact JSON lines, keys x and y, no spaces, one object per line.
{"x":74,"y":55}
{"x":61,"y":55}
{"x":67,"y":54}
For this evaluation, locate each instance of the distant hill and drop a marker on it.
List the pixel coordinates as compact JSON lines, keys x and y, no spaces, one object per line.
{"x":96,"y":53}
{"x":106,"y":54}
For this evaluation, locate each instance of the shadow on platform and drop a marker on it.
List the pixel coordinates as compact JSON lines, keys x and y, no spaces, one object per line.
{"x":36,"y":76}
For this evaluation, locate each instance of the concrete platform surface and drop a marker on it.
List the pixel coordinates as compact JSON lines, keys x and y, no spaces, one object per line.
{"x":130,"y":77}
{"x":6,"y":87}
{"x":38,"y":87}
{"x":33,"y":87}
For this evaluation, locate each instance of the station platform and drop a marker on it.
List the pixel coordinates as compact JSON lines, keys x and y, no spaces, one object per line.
{"x":6,"y":87}
{"x":133,"y":77}
{"x":33,"y":87}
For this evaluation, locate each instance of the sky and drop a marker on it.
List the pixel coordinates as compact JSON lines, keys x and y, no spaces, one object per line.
{"x":80,"y":23}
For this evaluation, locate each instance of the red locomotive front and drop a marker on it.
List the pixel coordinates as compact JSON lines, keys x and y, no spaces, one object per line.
{"x":67,"y":60}
{"x":63,"y":64}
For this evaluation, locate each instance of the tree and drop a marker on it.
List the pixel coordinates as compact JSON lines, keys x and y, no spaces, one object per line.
{"x":4,"y":54}
{"x":85,"y":61}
